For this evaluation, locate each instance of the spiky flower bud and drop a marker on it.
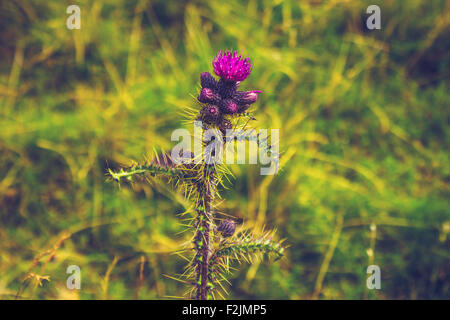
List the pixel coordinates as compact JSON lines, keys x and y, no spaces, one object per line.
{"x":247,"y":97}
{"x":207,"y":80}
{"x":210,"y":113}
{"x":229,"y":106}
{"x":206,"y":95}
{"x":227,"y":228}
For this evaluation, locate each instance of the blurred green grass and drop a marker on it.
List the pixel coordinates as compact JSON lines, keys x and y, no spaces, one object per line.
{"x":363,"y":118}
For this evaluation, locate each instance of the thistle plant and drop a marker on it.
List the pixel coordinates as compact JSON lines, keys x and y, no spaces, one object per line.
{"x":218,"y":241}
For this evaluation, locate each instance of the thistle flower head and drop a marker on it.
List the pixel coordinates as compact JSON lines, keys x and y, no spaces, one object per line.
{"x":231,"y":67}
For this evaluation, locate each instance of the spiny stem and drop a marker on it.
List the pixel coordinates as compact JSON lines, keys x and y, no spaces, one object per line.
{"x":141,"y":170}
{"x":251,"y":246}
{"x":202,"y":237}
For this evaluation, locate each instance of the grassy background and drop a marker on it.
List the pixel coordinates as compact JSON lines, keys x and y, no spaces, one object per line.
{"x":364,"y":131}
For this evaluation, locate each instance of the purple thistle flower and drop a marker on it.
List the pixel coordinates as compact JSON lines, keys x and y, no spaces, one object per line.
{"x":231,"y":67}
{"x":222,"y":96}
